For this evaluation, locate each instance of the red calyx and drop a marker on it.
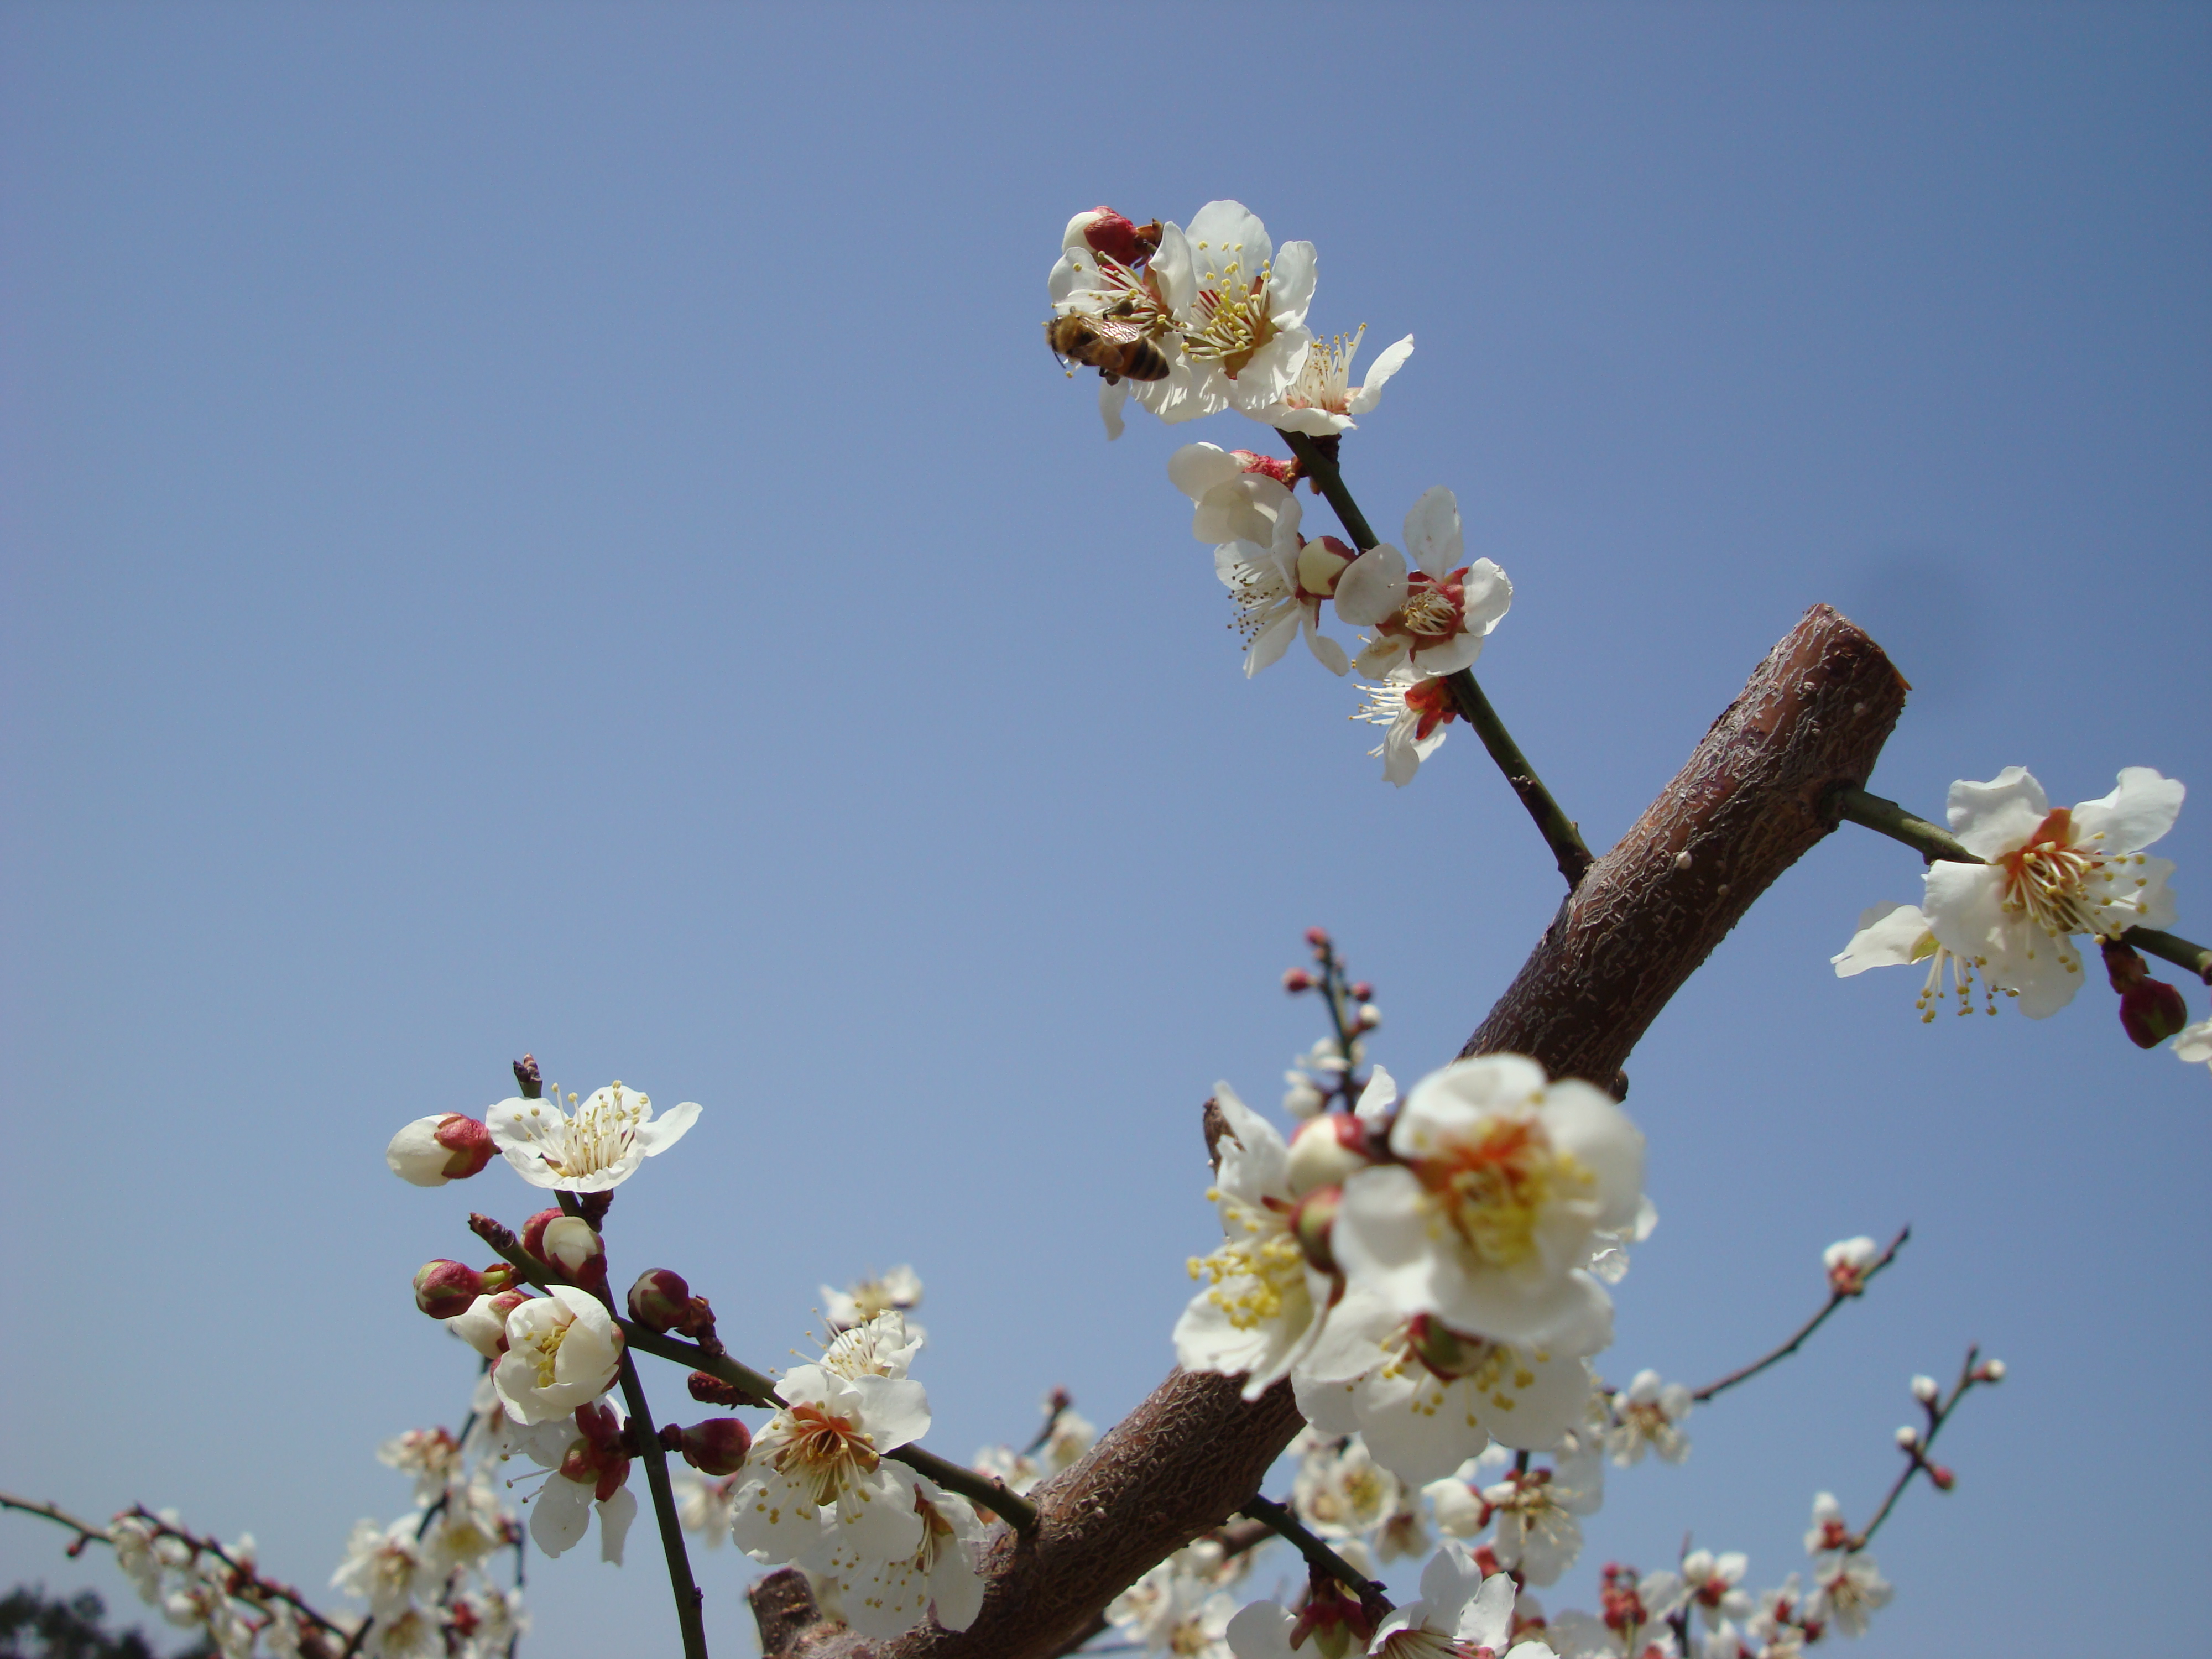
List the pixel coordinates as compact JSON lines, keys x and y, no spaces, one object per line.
{"x":468,"y":1141}
{"x":1119,"y":238}
{"x":444,"y":1289}
{"x":532,"y":1238}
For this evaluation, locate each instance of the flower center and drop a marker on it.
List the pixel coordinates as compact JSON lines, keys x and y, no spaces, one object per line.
{"x":823,"y":1453}
{"x":1495,"y":1189}
{"x":1325,"y":382}
{"x":2043,"y":879}
{"x":1231,"y":321}
{"x":548,"y":1344}
{"x":1256,"y":1278}
{"x":598,"y":1137}
{"x":1430,"y":613}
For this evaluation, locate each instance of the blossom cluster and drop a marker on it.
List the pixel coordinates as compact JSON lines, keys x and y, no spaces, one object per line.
{"x":1196,"y":322}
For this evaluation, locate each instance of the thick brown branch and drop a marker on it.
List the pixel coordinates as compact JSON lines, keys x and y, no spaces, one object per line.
{"x":1754,"y":799}
{"x":1750,"y":801}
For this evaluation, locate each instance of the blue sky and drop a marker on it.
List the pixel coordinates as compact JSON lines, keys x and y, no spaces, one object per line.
{"x":552,"y":528}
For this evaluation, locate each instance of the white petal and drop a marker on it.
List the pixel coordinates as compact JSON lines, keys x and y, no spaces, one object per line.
{"x":2137,"y":813}
{"x":1488,"y":594}
{"x":1112,"y":394}
{"x":562,"y":1511}
{"x":1889,"y":936}
{"x":1386,"y":365}
{"x":1998,"y":816}
{"x":1262,"y":1630}
{"x":1291,"y":284}
{"x":1197,"y":468}
{"x":615,"y":1513}
{"x":657,"y":1135}
{"x":1372,"y":586}
{"x":1434,"y":539}
{"x":895,"y":1408}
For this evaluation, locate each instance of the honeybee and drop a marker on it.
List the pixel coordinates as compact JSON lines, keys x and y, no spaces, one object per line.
{"x":1118,"y":348}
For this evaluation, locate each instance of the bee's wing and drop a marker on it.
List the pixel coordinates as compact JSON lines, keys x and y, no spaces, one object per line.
{"x":1119,"y":330}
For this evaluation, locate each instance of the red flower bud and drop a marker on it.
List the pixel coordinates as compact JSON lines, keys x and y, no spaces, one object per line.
{"x":1119,"y":239}
{"x":716,"y":1447}
{"x":1295,"y":980}
{"x":660,"y":1300}
{"x":443,"y":1289}
{"x":1363,"y":992}
{"x":532,"y":1238}
{"x":1318,"y":938}
{"x":1942,"y":1477}
{"x":2152,"y":1010}
{"x":470,"y":1142}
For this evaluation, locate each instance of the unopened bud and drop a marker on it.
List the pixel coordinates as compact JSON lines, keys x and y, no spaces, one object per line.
{"x":709,"y":1389}
{"x":533,"y":1236}
{"x":571,"y":1245}
{"x":483,"y":1325}
{"x":2151,"y":1011}
{"x":716,"y":1447}
{"x":433,"y":1150}
{"x":1908,"y":1436}
{"x":1370,"y":1017}
{"x":660,"y":1300}
{"x":1312,"y":1220}
{"x":1925,"y":1390}
{"x":1326,"y":1151}
{"x":1318,"y":938}
{"x":444,"y":1290}
{"x":1297,"y":980}
{"x":528,"y":1079}
{"x":1990,"y":1371}
{"x":1114,"y":235}
{"x":1942,"y":1477}
{"x":1362,"y":991}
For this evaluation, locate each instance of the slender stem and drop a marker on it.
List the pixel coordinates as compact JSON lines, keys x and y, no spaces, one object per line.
{"x":1322,"y":1559}
{"x":755,"y":1389}
{"x":688,"y":1598}
{"x":1890,"y":819}
{"x":689,"y":1618}
{"x":1558,"y":830}
{"x":2197,"y":958}
{"x":1916,"y":1458}
{"x":1836,"y":1299}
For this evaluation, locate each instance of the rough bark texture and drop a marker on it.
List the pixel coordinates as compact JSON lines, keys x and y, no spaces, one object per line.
{"x":1747,"y":806}
{"x":1751,"y":802}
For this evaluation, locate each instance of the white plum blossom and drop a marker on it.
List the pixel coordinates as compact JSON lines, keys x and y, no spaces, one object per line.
{"x":1264,"y":1303}
{"x":1315,"y":1075}
{"x":1537,"y":1514}
{"x":885,"y":1598}
{"x":1424,"y":1398}
{"x":1712,"y":1582}
{"x":384,"y":1566}
{"x":470,"y":1527}
{"x":1245,"y":331}
{"x":1340,"y":1491}
{"x":431,"y":1456}
{"x":1278,"y":590}
{"x":1323,"y":400}
{"x":1094,"y":281}
{"x":882,"y":1345}
{"x":1509,"y":1185}
{"x":1236,"y":496}
{"x":820,"y":1464}
{"x":2049,"y":874}
{"x":1847,"y":1263}
{"x":1891,"y":935}
{"x":1849,"y":1587}
{"x":2193,"y":1043}
{"x":562,"y":1352}
{"x":899,"y":1289}
{"x":1434,"y":619}
{"x":1413,"y":710}
{"x":1646,"y":1417}
{"x":598,"y":1148}
{"x":1829,"y":1535}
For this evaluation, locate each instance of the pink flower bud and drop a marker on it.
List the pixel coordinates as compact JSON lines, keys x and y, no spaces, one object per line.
{"x":1295,"y":980}
{"x":445,"y":1289}
{"x":533,"y":1236}
{"x":1326,"y":1151}
{"x":1364,"y":991}
{"x":2151,"y":1011}
{"x":1942,"y":1477}
{"x":660,"y":1300}
{"x":570,"y":1244}
{"x":716,"y":1447}
{"x":1318,"y":938}
{"x":1312,"y":1221}
{"x":1117,"y":237}
{"x":445,"y":1146}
